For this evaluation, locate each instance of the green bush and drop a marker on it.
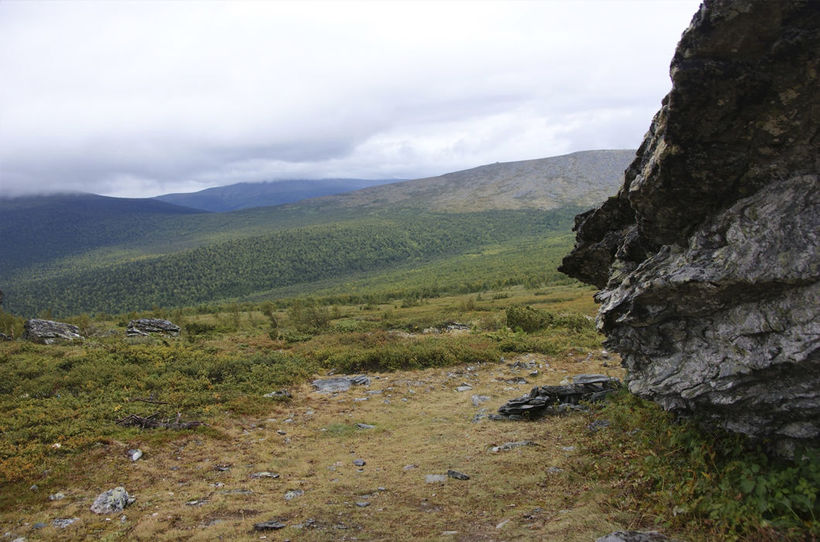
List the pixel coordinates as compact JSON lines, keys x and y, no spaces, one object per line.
{"x":528,"y":319}
{"x":719,"y":484}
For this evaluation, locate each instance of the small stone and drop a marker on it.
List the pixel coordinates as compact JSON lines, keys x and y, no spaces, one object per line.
{"x":502,"y":524}
{"x":264,"y":474}
{"x":449,"y":533}
{"x":633,"y":536}
{"x":290,"y":495}
{"x":281,"y":432}
{"x":554,"y":470}
{"x":409,"y":467}
{"x":38,"y":525}
{"x":507,"y":446}
{"x":359,"y":462}
{"x":272,"y":525}
{"x":222,"y":467}
{"x":362,"y":504}
{"x":365,"y":426}
{"x":112,"y":501}
{"x":435,"y":478}
{"x":457,"y":475}
{"x":464,"y":387}
{"x":56,"y":497}
{"x":278,"y":394}
{"x":134,"y":454}
{"x":478,"y":399}
{"x":568,"y":448}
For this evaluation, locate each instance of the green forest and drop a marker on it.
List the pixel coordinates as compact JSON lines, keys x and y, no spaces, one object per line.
{"x":290,"y":259}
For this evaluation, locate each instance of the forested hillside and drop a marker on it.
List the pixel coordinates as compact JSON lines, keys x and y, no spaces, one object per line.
{"x":44,"y":228}
{"x":239,"y":268}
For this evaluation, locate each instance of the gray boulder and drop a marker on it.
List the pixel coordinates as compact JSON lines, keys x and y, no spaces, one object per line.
{"x":707,"y":258}
{"x":112,"y":501}
{"x":143,"y":327}
{"x":50,"y":332}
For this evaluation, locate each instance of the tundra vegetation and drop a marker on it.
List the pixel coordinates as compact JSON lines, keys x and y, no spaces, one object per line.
{"x":64,"y":408}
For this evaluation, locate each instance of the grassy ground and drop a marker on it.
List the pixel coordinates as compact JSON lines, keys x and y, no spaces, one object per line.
{"x":60,"y":433}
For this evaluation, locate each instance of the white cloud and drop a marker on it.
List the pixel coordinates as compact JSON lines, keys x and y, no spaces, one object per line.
{"x":141,"y":98}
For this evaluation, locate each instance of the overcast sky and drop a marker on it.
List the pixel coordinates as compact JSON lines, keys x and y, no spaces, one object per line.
{"x":144,"y":98}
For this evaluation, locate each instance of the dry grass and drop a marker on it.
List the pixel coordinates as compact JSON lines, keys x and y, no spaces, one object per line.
{"x":427,"y":428}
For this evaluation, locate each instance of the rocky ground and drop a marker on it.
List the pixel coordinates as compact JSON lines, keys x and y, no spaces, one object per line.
{"x":409,"y":455}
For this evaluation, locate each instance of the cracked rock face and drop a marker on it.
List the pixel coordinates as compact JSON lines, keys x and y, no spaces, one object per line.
{"x":707,"y":258}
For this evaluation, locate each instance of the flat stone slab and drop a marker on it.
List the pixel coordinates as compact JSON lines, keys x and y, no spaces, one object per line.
{"x":142,"y":327}
{"x":340,"y":383}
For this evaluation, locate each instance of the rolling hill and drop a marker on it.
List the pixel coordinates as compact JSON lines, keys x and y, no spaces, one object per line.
{"x":75,"y":254}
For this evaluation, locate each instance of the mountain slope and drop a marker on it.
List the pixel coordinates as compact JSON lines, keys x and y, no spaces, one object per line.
{"x":581,"y":178}
{"x":247,"y":195}
{"x":43,"y":228}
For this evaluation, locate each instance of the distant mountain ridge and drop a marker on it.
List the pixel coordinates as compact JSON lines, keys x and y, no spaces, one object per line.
{"x":580,"y":178}
{"x":266,"y":194}
{"x":86,"y":253}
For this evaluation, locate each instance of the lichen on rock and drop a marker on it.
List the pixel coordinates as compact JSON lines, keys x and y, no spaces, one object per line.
{"x":707,"y":258}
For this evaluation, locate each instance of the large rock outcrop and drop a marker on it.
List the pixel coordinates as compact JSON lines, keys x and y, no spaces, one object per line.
{"x":50,"y":332}
{"x":707,"y":258}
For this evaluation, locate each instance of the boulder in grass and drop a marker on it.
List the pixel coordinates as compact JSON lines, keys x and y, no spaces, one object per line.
{"x":112,"y":501}
{"x":50,"y":332}
{"x":143,"y":327}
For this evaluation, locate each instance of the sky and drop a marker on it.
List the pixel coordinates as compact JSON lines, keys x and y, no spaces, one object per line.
{"x":137,"y":99}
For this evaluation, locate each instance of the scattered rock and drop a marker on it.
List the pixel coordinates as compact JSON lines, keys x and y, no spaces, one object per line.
{"x":359,"y":462}
{"x":554,"y":470}
{"x":707,"y":258}
{"x":634,"y":536}
{"x":365,"y":426}
{"x":272,"y":525}
{"x":62,"y":523}
{"x":507,"y":446}
{"x":56,"y":497}
{"x":278,"y":394}
{"x":556,"y":399}
{"x":292,"y":494}
{"x":134,"y":454}
{"x":340,"y":383}
{"x":435,"y":478}
{"x":409,"y":467}
{"x":457,"y":475}
{"x":464,"y":387}
{"x":112,"y":501}
{"x":362,"y":504}
{"x":597,"y":425}
{"x":142,"y":327}
{"x":50,"y":332}
{"x":479,"y":399}
{"x":264,"y":474}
